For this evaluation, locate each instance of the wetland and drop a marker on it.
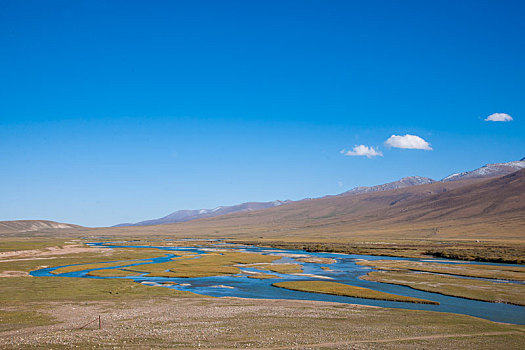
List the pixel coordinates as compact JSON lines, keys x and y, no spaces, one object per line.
{"x":218,"y":269}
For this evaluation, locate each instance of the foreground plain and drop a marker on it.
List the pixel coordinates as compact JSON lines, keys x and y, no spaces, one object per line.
{"x":47,"y":312}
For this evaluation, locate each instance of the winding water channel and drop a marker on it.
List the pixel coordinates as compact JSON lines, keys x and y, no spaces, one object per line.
{"x":343,"y":270}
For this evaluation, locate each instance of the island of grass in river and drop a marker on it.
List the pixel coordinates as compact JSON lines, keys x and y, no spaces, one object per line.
{"x":336,"y":288}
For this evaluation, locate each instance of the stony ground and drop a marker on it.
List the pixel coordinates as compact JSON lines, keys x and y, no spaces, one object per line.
{"x":265,"y":324}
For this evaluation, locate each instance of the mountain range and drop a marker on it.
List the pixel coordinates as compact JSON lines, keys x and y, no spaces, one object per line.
{"x":473,"y":209}
{"x":487,"y":171}
{"x":187,"y":215}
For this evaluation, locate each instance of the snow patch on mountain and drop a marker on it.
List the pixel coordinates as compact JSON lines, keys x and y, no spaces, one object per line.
{"x":489,"y":170}
{"x":404,"y":182}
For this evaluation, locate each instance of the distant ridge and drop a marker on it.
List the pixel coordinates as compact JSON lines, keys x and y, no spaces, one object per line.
{"x":187,"y":215}
{"x":489,"y":170}
{"x":404,"y":182}
{"x":32,"y":225}
{"x":486,"y":171}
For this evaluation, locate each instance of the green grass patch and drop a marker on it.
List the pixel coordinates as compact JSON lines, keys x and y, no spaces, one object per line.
{"x":44,"y":289}
{"x":11,"y":244}
{"x":336,"y":288}
{"x":12,"y":320}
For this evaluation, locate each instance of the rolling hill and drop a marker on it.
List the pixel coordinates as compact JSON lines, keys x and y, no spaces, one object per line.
{"x":32,"y":225}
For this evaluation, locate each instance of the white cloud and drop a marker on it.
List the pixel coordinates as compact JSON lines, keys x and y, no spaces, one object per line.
{"x":408,"y":141}
{"x":498,"y":117}
{"x":362,"y":150}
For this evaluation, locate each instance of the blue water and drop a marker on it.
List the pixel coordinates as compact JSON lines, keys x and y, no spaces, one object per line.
{"x":344,"y":270}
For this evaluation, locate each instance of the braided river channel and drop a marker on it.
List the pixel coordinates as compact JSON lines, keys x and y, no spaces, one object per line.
{"x":343,"y":270}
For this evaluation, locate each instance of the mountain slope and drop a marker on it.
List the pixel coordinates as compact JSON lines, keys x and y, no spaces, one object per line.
{"x":463,"y":209}
{"x":187,"y":215}
{"x":32,"y":225}
{"x":485,"y":172}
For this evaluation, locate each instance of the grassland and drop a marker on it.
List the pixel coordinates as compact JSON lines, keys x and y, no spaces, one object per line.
{"x":316,"y":260}
{"x":188,"y":323}
{"x":18,"y":244}
{"x":148,"y":252}
{"x":284,"y":268}
{"x":20,"y":290}
{"x":114,"y":273}
{"x":336,"y":288}
{"x":26,"y":263}
{"x":509,"y":293}
{"x":82,"y":267}
{"x":211,"y":264}
{"x":47,"y":312}
{"x":508,"y":272}
{"x":511,"y":253}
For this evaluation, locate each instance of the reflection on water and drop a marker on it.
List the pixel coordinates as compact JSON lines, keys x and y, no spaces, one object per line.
{"x":343,"y":270}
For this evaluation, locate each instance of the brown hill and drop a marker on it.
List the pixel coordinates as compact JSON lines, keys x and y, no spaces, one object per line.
{"x":32,"y":225}
{"x":469,"y":209}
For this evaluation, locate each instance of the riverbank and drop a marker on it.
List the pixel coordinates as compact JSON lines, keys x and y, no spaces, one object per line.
{"x":488,"y":251}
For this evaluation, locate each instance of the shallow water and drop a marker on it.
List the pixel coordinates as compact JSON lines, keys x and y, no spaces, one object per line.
{"x":345,"y":270}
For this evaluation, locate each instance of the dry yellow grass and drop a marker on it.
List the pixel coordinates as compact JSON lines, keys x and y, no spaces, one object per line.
{"x":509,"y":272}
{"x":83,"y":267}
{"x":316,"y":260}
{"x":509,"y":293}
{"x":212,"y":264}
{"x":114,"y":273}
{"x":336,"y":288}
{"x":279,"y":268}
{"x":262,"y":276}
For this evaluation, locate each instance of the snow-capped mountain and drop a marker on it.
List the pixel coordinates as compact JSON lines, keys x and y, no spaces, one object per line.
{"x":489,"y":170}
{"x":404,"y":182}
{"x":187,"y":215}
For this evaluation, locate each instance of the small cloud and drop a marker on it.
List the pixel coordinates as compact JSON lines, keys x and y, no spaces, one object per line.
{"x":362,"y":150}
{"x":498,"y":117}
{"x":340,"y":183}
{"x":408,"y":142}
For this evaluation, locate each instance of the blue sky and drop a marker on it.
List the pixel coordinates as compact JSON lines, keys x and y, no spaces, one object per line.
{"x":118,"y":111}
